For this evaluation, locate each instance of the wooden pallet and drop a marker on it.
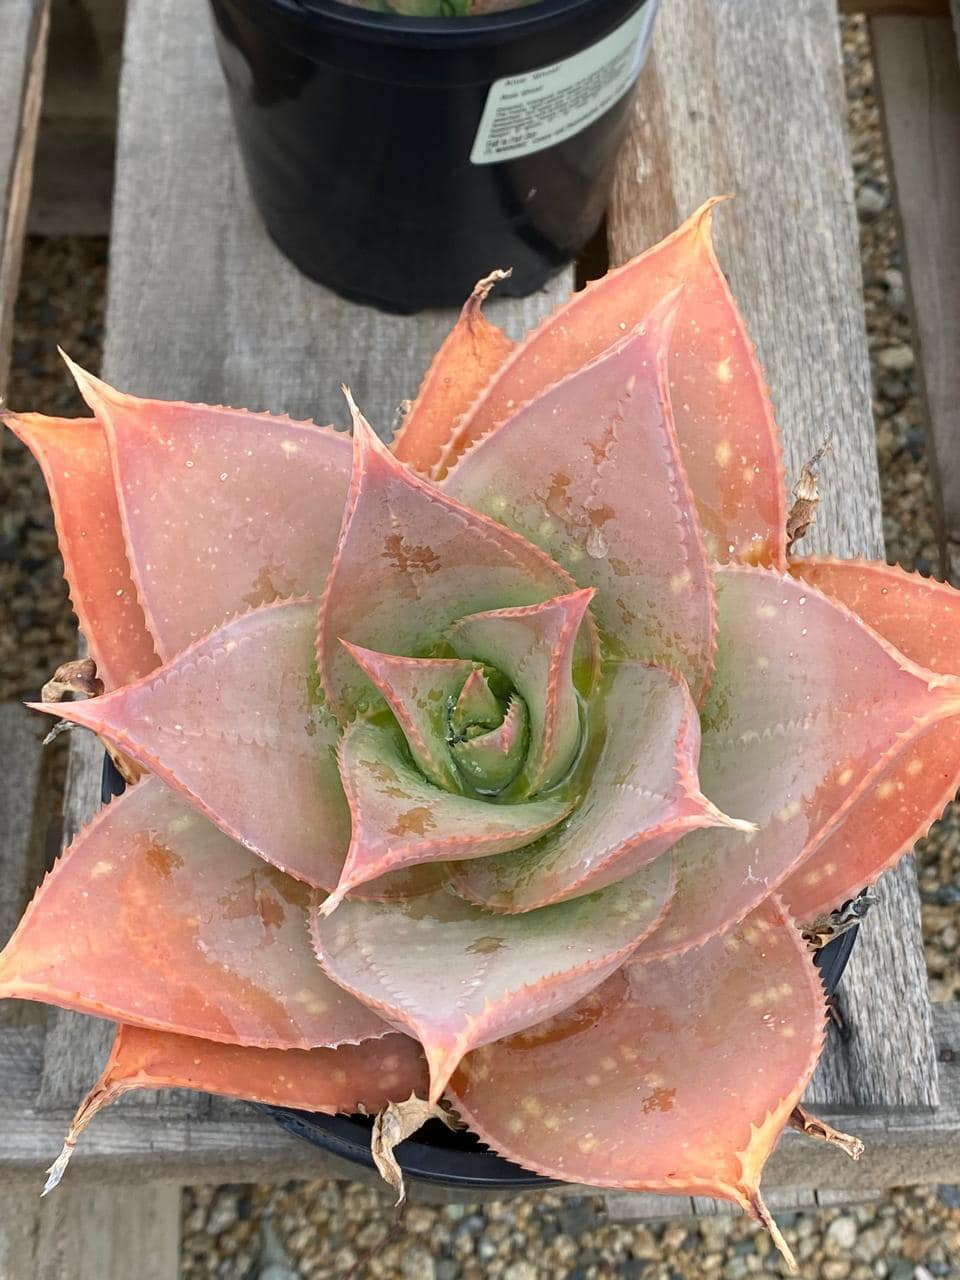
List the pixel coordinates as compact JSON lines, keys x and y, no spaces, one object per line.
{"x":202,"y":307}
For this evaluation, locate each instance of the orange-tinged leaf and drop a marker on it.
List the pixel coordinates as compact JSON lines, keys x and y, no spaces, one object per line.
{"x":365,"y":1076}
{"x":155,"y":917}
{"x":457,"y":977}
{"x":237,"y":724}
{"x":728,"y":438}
{"x":590,"y":471}
{"x":73,"y":455}
{"x":410,"y":561}
{"x":223,"y":509}
{"x":921,"y":618}
{"x":469,"y":356}
{"x":676,"y":1076}
{"x":807,"y":711}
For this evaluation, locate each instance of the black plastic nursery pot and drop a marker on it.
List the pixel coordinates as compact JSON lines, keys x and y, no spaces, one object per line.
{"x":398,"y":160}
{"x":436,"y":1155}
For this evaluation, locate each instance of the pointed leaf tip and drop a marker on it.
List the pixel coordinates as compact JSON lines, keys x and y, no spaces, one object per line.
{"x":205,"y":938}
{"x":221,"y":509}
{"x":602,"y":1094}
{"x":420,"y":692}
{"x":399,"y":819}
{"x":75,"y":461}
{"x":487,"y":975}
{"x":807,"y":711}
{"x":921,"y":618}
{"x":725,"y":426}
{"x":365,"y":1076}
{"x":249,"y":687}
{"x":639,"y":795}
{"x":565,"y":471}
{"x":409,"y":562}
{"x":468,"y":357}
{"x":534,"y":648}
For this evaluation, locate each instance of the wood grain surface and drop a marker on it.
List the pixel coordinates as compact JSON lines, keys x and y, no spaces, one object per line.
{"x":756,"y":109}
{"x":918,"y":83}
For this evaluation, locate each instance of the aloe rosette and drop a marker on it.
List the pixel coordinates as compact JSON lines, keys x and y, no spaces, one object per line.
{"x":497,"y":766}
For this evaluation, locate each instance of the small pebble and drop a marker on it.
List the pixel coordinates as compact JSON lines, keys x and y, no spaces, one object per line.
{"x":841,"y":1234}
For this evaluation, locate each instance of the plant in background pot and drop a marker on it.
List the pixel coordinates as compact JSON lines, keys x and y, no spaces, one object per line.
{"x":485,"y":140}
{"x":489,"y":775}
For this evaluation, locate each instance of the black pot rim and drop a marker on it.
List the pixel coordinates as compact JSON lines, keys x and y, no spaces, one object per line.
{"x":475,"y":1168}
{"x":443,"y":33}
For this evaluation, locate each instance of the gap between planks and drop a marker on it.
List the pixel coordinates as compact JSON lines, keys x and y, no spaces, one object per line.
{"x":22,"y":57}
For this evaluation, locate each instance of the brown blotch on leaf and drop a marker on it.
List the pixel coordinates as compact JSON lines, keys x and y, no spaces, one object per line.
{"x":806,"y":497}
{"x":393,"y":1125}
{"x":660,"y":1100}
{"x":417,"y":821}
{"x":485,"y":946}
{"x":163,"y":860}
{"x":804,"y":1122}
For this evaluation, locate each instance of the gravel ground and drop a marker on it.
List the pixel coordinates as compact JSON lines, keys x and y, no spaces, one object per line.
{"x":331,"y":1231}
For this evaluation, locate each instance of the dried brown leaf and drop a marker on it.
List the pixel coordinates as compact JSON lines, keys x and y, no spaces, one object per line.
{"x":78,"y":676}
{"x":804,"y":1122}
{"x":806,"y":497}
{"x":823,"y":929}
{"x":393,"y":1125}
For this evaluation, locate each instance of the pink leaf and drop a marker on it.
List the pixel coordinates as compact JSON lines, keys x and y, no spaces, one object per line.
{"x":223,"y":509}
{"x":400,"y":819}
{"x":638,"y":795}
{"x":76,"y":466}
{"x":590,"y":471}
{"x":533,"y":648}
{"x":154,"y":917}
{"x":367,"y":1075}
{"x":677,"y":1076}
{"x":237,"y":724}
{"x":421,"y":693}
{"x":808,"y":708}
{"x":409,"y":563}
{"x":922,"y":619}
{"x":724,"y":420}
{"x":471,"y":353}
{"x":457,"y":977}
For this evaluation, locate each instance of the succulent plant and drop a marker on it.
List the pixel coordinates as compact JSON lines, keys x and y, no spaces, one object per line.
{"x":497,"y":767}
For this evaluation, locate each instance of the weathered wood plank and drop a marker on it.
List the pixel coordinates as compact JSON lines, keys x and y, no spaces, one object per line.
{"x":756,"y":108}
{"x":22,"y":812}
{"x":102,"y":1233}
{"x":631,"y":1206}
{"x":24,"y":25}
{"x":29,"y":829}
{"x":202,"y":306}
{"x":918,"y":84}
{"x":236,"y":1143}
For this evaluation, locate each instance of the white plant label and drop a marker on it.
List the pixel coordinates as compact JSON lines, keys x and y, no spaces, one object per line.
{"x":530,"y":112}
